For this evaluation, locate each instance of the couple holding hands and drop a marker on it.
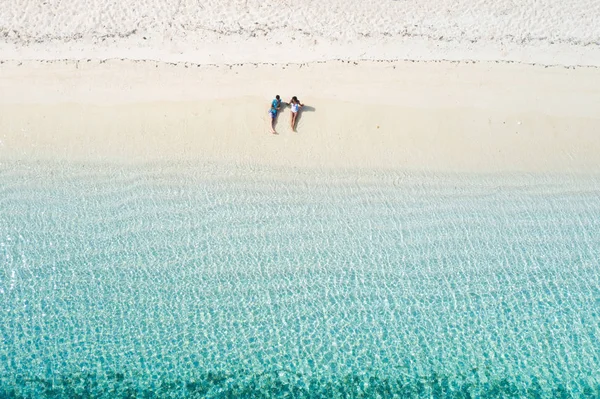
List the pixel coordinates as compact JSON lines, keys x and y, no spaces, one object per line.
{"x":295,"y":105}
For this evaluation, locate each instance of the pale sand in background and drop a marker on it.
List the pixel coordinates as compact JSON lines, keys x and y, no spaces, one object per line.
{"x":234,"y":31}
{"x":483,"y":117}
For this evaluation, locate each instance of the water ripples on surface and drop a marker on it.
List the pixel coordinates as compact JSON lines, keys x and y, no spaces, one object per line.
{"x":206,"y":281}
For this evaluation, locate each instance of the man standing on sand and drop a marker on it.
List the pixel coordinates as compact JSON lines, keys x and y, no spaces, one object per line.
{"x":275,"y":105}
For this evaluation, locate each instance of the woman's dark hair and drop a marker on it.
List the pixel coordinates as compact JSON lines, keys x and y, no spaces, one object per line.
{"x":295,"y":98}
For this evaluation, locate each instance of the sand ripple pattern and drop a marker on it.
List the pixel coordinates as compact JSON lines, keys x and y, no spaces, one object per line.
{"x":198,"y":21}
{"x":199,"y":281}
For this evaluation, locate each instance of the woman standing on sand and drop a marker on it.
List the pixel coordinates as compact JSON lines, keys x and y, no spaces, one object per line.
{"x":295,"y":105}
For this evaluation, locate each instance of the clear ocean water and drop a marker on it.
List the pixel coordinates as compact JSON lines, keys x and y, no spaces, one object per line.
{"x":196,"y":281}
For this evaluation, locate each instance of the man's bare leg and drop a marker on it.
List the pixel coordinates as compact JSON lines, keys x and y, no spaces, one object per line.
{"x":273,"y":125}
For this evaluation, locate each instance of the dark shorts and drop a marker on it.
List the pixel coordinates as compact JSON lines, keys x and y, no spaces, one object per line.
{"x":273,"y":113}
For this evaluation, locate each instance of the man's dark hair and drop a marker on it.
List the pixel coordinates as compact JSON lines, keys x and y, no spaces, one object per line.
{"x":277,"y":96}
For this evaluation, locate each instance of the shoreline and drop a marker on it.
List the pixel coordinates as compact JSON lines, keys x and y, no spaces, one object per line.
{"x":187,"y":64}
{"x":227,"y":51}
{"x":421,"y":116}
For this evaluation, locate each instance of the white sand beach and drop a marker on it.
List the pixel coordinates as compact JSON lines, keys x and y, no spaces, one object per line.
{"x":212,"y":31}
{"x":431,"y":229}
{"x":422,"y":115}
{"x":439,"y":85}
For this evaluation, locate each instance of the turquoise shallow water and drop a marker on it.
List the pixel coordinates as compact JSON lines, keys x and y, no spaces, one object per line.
{"x":214,"y":281}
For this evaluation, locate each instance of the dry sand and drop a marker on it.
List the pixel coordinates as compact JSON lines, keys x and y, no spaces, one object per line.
{"x":235,"y":31}
{"x":191,"y":80}
{"x":433,"y":116}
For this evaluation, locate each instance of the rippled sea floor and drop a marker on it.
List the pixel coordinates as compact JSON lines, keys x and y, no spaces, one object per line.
{"x":212,"y":281}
